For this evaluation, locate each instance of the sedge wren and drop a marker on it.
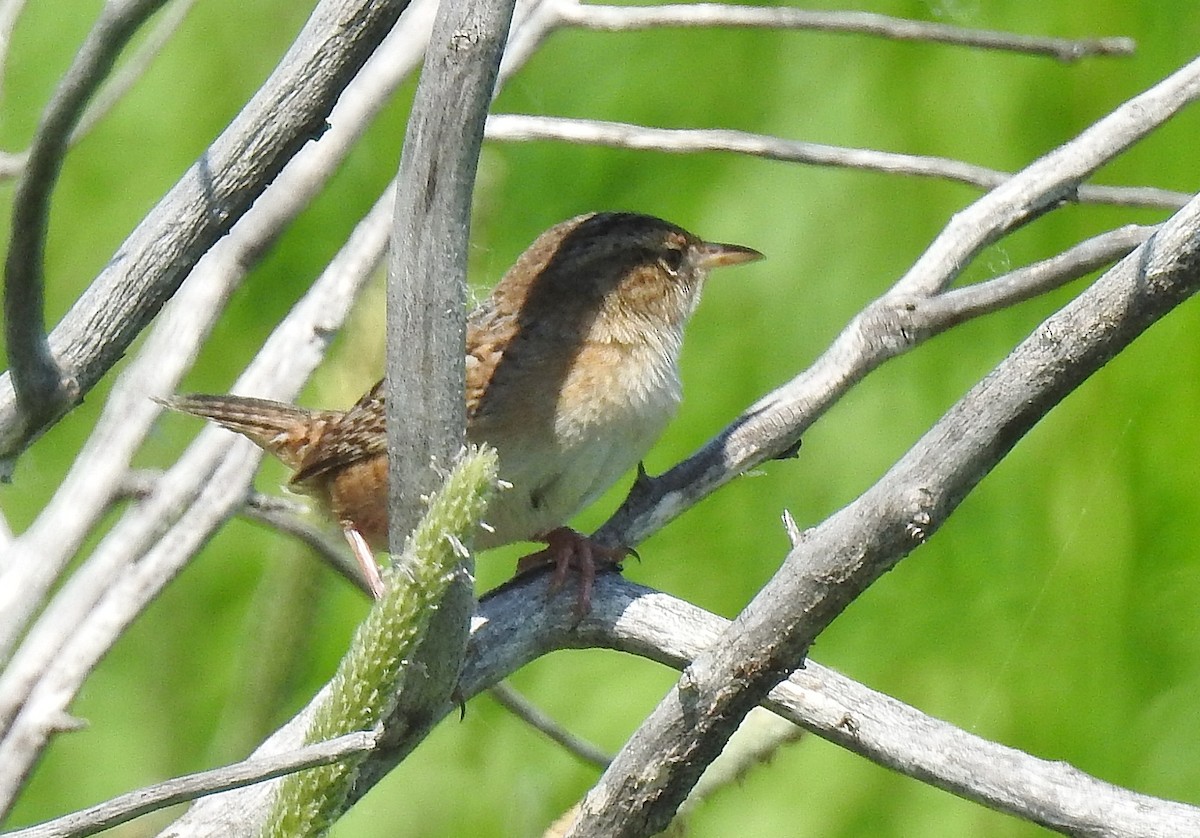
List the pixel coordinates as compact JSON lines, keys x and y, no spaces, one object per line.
{"x":572,"y":374}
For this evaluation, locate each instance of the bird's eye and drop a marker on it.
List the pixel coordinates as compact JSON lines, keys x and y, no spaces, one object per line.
{"x":671,"y":261}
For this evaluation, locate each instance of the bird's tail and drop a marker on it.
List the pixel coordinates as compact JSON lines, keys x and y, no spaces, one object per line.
{"x":285,"y":430}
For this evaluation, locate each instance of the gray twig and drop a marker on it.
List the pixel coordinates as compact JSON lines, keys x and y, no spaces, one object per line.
{"x":627,"y":18}
{"x":525,"y":128}
{"x":126,"y":807}
{"x":532,"y":715}
{"x":42,"y":389}
{"x":286,"y":516}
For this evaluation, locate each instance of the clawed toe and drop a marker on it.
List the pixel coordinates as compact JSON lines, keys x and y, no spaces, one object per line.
{"x":567,"y":549}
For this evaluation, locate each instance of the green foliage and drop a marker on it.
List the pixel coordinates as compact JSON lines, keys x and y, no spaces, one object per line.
{"x":372,"y":674}
{"x":1055,"y":612}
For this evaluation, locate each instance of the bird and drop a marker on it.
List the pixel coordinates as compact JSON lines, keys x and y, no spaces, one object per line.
{"x":572,"y":374}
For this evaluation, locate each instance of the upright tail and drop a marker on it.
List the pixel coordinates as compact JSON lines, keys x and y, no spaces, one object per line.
{"x":285,"y":430}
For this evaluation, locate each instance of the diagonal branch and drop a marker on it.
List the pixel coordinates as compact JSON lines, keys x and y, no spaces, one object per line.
{"x":1046,"y":182}
{"x":528,"y":712}
{"x":837,"y":560}
{"x":285,"y":114}
{"x":126,"y":807}
{"x":282,"y":514}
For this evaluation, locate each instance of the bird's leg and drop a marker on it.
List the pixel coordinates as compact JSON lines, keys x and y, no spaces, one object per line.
{"x":366,"y":559}
{"x":565,"y":549}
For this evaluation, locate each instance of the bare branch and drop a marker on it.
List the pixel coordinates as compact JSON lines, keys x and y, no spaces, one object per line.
{"x":41,"y":388}
{"x":775,"y":422}
{"x":642,"y":789}
{"x":282,"y":514}
{"x":532,"y":715}
{"x":673,"y":632}
{"x":521,"y":621}
{"x":126,"y":807}
{"x":938,"y":313}
{"x":288,"y":111}
{"x":427,"y":293}
{"x":627,"y":18}
{"x":526,"y":128}
{"x":1046,"y":182}
{"x":759,"y":739}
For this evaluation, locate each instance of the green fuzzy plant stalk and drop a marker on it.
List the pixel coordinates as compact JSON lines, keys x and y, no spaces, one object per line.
{"x":363,"y":691}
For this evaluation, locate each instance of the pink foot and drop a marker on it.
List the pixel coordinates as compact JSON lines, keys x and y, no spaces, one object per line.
{"x":366,"y":560}
{"x":567,"y":549}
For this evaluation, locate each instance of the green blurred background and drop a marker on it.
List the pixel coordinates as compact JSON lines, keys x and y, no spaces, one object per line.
{"x":1056,"y":612}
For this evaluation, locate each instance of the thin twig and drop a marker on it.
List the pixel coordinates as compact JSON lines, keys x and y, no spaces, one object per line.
{"x":897,"y":324}
{"x":123,"y":80}
{"x":126,"y":807}
{"x":527,"y":128}
{"x":1046,"y":182}
{"x":958,"y":305}
{"x":627,"y":18}
{"x":759,"y":739}
{"x":290,"y":519}
{"x":532,"y":715}
{"x":40,"y":385}
{"x":10,"y":11}
{"x":287,"y":516}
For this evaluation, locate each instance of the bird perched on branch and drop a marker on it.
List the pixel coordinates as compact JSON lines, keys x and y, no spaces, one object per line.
{"x":572,"y":374}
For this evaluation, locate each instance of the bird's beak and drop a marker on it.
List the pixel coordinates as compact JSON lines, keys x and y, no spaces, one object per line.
{"x":716,"y":255}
